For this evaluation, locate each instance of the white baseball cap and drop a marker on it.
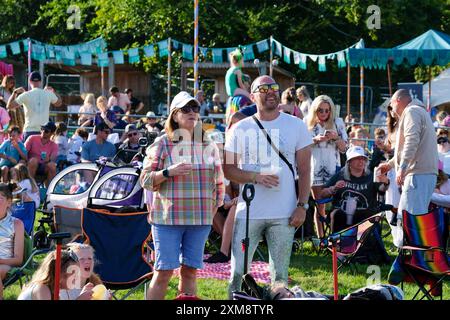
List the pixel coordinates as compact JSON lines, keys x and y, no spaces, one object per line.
{"x":354,"y":152}
{"x":150,"y":114}
{"x":182,"y":99}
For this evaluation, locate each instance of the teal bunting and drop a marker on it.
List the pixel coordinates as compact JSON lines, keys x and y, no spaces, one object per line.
{"x":302,"y":64}
{"x":103,"y":59}
{"x":296,"y":57}
{"x":204,"y":51}
{"x":217,"y":55}
{"x":86,"y":58}
{"x":118,"y":57}
{"x":133,"y":55}
{"x":341,"y":59}
{"x":25,"y":45}
{"x":322,"y":64}
{"x":149,"y":51}
{"x":163,"y":49}
{"x":262,"y":46}
{"x":277,"y":47}
{"x":15,"y":47}
{"x":248,"y":53}
{"x":175,"y":44}
{"x":287,"y":55}
{"x":187,"y":52}
{"x":3,"y":53}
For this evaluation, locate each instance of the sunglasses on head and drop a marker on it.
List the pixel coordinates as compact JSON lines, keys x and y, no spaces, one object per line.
{"x":132,"y":134}
{"x":264,"y":88}
{"x":323,"y":110}
{"x":190,"y":108}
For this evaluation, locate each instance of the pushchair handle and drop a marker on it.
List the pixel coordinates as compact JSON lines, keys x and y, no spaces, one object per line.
{"x":245,"y":193}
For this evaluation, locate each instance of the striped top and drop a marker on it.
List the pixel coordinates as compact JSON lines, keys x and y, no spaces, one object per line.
{"x":189,"y":199}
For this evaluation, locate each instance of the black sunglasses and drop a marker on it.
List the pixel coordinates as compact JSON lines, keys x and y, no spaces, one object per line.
{"x":132,"y":134}
{"x":188,"y":108}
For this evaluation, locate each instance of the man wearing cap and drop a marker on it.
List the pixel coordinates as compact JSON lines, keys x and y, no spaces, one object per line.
{"x":276,"y":211}
{"x":130,"y":147}
{"x":42,"y":153}
{"x":152,"y":124}
{"x":99,"y":147}
{"x":119,"y":99}
{"x":416,"y":157}
{"x":353,"y":190}
{"x":36,"y":103}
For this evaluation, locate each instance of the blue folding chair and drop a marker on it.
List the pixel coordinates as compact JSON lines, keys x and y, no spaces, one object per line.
{"x":121,"y":243}
{"x":25,"y":211}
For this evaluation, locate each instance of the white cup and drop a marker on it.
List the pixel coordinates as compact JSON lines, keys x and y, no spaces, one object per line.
{"x":185,"y":159}
{"x":273,"y":170}
{"x":350,"y":208}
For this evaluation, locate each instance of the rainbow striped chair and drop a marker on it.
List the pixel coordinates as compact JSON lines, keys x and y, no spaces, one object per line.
{"x":423,"y":259}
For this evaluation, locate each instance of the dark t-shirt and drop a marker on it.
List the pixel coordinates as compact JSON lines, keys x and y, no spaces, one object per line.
{"x":363,"y":189}
{"x":249,"y":110}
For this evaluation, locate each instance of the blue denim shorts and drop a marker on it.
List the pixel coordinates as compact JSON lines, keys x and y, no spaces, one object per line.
{"x":175,"y":245}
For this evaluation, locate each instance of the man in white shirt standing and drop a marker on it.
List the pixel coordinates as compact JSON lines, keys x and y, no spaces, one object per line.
{"x":36,"y":103}
{"x":275,"y":211}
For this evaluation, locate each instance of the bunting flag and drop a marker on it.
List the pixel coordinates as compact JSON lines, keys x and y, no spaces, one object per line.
{"x":3,"y":53}
{"x":262,"y":46}
{"x":302,"y":63}
{"x":217,"y":55}
{"x":68,"y":56}
{"x":277,"y":47}
{"x":175,"y":44}
{"x":25,"y":45}
{"x":187,"y":52}
{"x":341,"y":59}
{"x":15,"y":47}
{"x":287,"y":55}
{"x":38,"y":52}
{"x":322,"y":65}
{"x":163,"y":48}
{"x":248,"y":53}
{"x":103,"y":59}
{"x":149,"y":51}
{"x":118,"y":57}
{"x":86,"y":58}
{"x":133,"y":55}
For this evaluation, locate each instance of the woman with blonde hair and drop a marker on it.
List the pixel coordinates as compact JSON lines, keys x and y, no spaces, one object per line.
{"x":42,"y":284}
{"x":104,"y":113}
{"x":184,"y":171}
{"x":304,"y":100}
{"x":22,"y":177}
{"x":87,"y":120}
{"x":330,"y":139}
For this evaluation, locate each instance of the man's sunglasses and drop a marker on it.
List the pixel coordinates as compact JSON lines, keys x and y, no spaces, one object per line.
{"x":132,"y":134}
{"x":187,"y":109}
{"x":264,"y":88}
{"x":442,"y":140}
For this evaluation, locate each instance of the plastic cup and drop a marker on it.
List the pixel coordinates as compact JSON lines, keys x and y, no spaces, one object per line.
{"x":350,"y":208}
{"x":43,"y":155}
{"x":99,"y":292}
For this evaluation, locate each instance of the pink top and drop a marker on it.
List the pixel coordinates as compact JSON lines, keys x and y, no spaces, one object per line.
{"x":4,"y":121}
{"x":122,"y":102}
{"x":41,"y":151}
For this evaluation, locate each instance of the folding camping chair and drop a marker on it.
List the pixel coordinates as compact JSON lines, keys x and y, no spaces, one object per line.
{"x":68,"y":220}
{"x":423,"y":259}
{"x":121,"y":247}
{"x":349,"y":241}
{"x":25,"y":211}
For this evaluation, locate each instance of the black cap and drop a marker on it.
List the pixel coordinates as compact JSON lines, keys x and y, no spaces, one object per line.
{"x":35,"y":76}
{"x":49,"y":126}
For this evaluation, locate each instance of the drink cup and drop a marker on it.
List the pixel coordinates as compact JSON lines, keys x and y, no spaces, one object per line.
{"x":376,"y":174}
{"x":273,"y":170}
{"x":99,"y":292}
{"x":185,"y":159}
{"x":43,"y":155}
{"x":350,"y":209}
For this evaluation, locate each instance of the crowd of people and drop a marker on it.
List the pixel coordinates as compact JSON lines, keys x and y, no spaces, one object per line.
{"x":288,"y":145}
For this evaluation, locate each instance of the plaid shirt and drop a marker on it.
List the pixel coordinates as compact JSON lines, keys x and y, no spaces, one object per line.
{"x":189,"y":199}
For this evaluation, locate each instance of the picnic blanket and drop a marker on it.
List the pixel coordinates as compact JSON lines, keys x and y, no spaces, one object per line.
{"x":221,"y":271}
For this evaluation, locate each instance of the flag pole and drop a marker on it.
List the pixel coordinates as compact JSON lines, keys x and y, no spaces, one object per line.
{"x":195,"y":47}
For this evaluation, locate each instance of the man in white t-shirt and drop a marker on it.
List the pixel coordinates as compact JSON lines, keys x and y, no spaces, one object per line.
{"x":36,"y":104}
{"x":119,"y":99}
{"x":275,"y":212}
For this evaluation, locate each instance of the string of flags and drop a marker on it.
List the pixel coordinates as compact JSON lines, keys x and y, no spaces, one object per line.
{"x":85,"y":52}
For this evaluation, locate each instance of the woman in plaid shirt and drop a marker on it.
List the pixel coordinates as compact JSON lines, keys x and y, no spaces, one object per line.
{"x":184,"y":171}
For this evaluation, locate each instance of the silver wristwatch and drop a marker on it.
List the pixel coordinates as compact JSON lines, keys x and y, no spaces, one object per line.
{"x":303,"y":205}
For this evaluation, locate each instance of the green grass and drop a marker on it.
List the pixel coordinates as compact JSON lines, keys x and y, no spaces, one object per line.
{"x":308,"y":269}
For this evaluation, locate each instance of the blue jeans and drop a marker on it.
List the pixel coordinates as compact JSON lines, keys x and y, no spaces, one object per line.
{"x":182,"y":244}
{"x":279,"y":236}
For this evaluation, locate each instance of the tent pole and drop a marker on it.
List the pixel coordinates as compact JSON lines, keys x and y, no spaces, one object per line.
{"x":348,"y":89}
{"x":361,"y":93}
{"x":389,"y":78}
{"x":429,"y":89}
